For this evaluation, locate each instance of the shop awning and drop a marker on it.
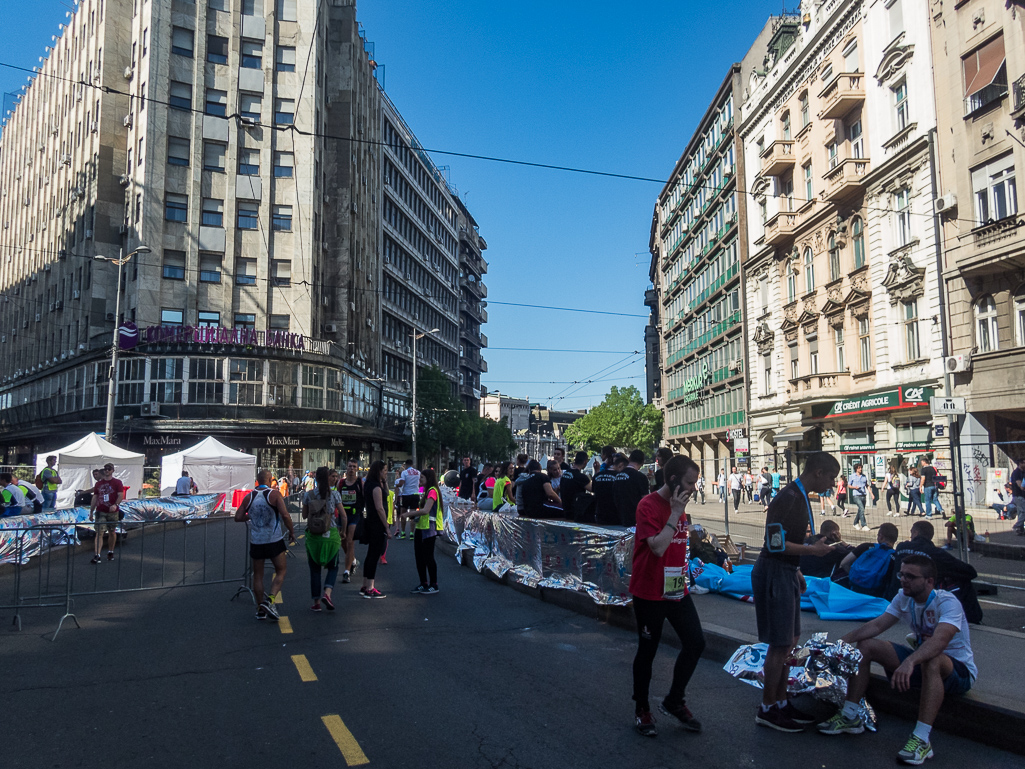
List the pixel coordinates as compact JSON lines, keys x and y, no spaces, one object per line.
{"x":793,"y":434}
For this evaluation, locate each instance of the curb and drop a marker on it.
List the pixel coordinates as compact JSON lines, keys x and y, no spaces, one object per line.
{"x":974,"y":717}
{"x":999,"y":550}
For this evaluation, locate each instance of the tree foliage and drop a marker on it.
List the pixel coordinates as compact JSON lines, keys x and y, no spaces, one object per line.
{"x":622,"y":420}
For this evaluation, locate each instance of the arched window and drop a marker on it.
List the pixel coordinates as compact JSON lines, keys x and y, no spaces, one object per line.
{"x":986,"y":324}
{"x":1019,"y":316}
{"x":834,"y":258}
{"x":809,"y":270}
{"x":788,"y":270}
{"x":785,"y":120}
{"x":858,"y":241}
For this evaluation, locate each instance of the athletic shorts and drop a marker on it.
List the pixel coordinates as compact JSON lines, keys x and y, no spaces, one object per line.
{"x":267,"y":551}
{"x":777,"y":594}
{"x":410,"y":501}
{"x":958,"y":682}
{"x":106,"y":520}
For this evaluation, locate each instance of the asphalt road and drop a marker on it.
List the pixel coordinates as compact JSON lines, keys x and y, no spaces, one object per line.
{"x":476,"y":676}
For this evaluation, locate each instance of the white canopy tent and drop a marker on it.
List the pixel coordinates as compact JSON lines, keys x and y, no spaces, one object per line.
{"x":76,"y":462}
{"x":213,"y":466}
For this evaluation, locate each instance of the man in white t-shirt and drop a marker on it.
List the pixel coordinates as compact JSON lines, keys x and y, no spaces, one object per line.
{"x":736,"y":481}
{"x":940,"y":663}
{"x":407,"y":496}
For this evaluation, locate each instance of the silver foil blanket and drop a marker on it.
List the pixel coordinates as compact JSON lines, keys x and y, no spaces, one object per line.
{"x":25,"y":536}
{"x":543,"y":553}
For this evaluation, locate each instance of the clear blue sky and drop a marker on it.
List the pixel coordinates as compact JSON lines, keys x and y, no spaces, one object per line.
{"x":608,"y":86}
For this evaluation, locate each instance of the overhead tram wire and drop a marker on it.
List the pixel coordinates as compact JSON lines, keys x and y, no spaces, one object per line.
{"x":596,"y":373}
{"x":559,"y":397}
{"x":453,"y":153}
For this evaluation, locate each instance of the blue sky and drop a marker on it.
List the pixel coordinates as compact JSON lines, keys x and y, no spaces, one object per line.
{"x":615,"y":87}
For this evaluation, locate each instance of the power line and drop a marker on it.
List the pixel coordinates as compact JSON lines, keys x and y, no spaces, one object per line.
{"x":573,"y":381}
{"x":543,"y":349}
{"x":569,"y":309}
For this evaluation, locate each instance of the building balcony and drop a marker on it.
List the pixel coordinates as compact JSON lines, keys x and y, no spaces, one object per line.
{"x":821,"y":386}
{"x":844,"y":92}
{"x":1018,"y":105}
{"x":778,"y":157}
{"x":780,"y":228}
{"x":846,"y":178}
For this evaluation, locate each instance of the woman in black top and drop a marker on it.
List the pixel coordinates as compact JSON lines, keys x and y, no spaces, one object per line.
{"x":375,"y":526}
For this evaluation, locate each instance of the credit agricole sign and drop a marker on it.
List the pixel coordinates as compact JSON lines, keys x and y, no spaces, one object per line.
{"x":887,"y":400}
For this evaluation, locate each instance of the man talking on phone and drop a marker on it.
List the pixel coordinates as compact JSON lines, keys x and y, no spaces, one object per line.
{"x":658,"y":584}
{"x":777,"y":584}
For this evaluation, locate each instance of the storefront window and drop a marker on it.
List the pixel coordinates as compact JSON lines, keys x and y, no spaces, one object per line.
{"x":166,"y":380}
{"x":282,"y":379}
{"x":245,"y":382}
{"x":131,"y":382}
{"x":205,"y":383}
{"x":313,"y":387}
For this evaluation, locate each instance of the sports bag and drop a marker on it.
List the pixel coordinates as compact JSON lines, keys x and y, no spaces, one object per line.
{"x":869,"y":571}
{"x":318,"y":516}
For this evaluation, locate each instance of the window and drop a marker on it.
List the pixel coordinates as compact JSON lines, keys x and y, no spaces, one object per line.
{"x":865,"y":341}
{"x":213,"y":156}
{"x":838,"y":345}
{"x":985,"y":75}
{"x":245,"y":320}
{"x":912,"y":349}
{"x":813,"y":354}
{"x":205,"y":385}
{"x":217,"y":5}
{"x":178,"y":153}
{"x":900,"y":105}
{"x":285,"y":59}
{"x":763,"y":291}
{"x":180,"y":95}
{"x":763,"y":211}
{"x":786,"y":126}
{"x":809,"y":190}
{"x":213,"y":212}
{"x":280,"y":322}
{"x":249,"y":162}
{"x":856,"y":140}
{"x":217,"y":49}
{"x":281,"y":219}
{"x":145,"y":41}
{"x":287,"y":10}
{"x":252,"y":54}
{"x":208,"y":319}
{"x":832,"y":155}
{"x":245,"y":379}
{"x":172,"y":317}
{"x":896,"y":18}
{"x":281,"y":272}
{"x":805,"y":113}
{"x":181,"y":41}
{"x":850,"y":57}
{"x":284,"y":111}
{"x":174,"y":265}
{"x":834,"y":258}
{"x":986,"y":325}
{"x":902,"y":204}
{"x":166,"y":380}
{"x":176,"y":207}
{"x":284,"y":165}
{"x":809,"y":270}
{"x":787,"y":187}
{"x":766,"y":374}
{"x":250,"y":105}
{"x":216,"y":102}
{"x":252,"y":7}
{"x":313,"y":387}
{"x":1019,"y":317}
{"x":210,"y":268}
{"x":245,"y":272}
{"x":858,"y":242}
{"x":791,"y":281}
{"x":996,"y":193}
{"x":795,"y":365}
{"x":248,"y":216}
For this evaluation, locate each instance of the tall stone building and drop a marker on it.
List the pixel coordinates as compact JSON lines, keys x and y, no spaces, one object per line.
{"x":293,"y":236}
{"x":979,"y":54}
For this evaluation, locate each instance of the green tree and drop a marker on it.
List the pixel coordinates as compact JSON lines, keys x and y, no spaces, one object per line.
{"x":622,"y":420}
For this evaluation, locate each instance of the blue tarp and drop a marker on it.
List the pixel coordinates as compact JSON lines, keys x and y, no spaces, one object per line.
{"x":823,"y":596}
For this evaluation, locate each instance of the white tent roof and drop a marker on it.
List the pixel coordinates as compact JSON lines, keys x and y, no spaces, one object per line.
{"x":93,"y":446}
{"x":211,"y":451}
{"x":76,"y":462}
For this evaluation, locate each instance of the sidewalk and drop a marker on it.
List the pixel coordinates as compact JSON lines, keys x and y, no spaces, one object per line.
{"x":993,"y":713}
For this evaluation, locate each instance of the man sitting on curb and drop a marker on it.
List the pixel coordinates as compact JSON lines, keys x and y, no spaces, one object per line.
{"x":952,"y":574}
{"x":940,"y":663}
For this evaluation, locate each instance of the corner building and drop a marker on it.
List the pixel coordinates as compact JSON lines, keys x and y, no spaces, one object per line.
{"x":273,"y":308}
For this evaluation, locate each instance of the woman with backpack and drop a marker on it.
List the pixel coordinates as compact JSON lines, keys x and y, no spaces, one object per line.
{"x":429,"y":521}
{"x":321,"y":506}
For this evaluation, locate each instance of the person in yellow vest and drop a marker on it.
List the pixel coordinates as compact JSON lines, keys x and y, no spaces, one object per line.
{"x":51,"y":482}
{"x":429,"y":521}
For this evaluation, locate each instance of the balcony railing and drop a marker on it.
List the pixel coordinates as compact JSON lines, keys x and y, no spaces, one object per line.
{"x":778,"y":157}
{"x":1018,"y":90}
{"x":846,"y":178}
{"x":828,"y":385}
{"x":780,"y":228}
{"x":844,"y":92}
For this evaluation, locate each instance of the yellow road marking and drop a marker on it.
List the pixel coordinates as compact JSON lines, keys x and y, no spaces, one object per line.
{"x":284,"y":625}
{"x":351,"y":751}
{"x":303,"y":666}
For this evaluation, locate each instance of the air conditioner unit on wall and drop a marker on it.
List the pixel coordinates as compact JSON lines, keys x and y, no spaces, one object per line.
{"x":955,"y":364}
{"x":151,"y":409}
{"x":331,"y":328}
{"x":946,"y":202}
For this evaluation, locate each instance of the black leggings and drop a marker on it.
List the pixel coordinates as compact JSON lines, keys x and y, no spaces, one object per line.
{"x":426,"y":566}
{"x":893,"y":494}
{"x":683,"y":617}
{"x":375,"y":550}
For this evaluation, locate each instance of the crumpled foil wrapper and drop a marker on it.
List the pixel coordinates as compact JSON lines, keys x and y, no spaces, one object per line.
{"x":819,"y":667}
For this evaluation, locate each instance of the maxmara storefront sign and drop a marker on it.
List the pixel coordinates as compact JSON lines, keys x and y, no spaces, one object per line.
{"x":887,"y":400}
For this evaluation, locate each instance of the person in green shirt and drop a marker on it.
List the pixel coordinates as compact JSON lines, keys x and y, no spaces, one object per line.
{"x":51,"y":482}
{"x":503,"y":488}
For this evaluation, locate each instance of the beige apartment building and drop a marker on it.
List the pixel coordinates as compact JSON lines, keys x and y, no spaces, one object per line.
{"x":287,"y":234}
{"x":979,"y":55}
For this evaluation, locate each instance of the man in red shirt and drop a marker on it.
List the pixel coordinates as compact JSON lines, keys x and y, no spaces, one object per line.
{"x":108,"y":495}
{"x":658,"y":584}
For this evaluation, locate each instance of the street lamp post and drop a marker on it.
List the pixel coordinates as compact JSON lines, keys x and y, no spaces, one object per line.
{"x":416,"y":336}
{"x":112,"y":376}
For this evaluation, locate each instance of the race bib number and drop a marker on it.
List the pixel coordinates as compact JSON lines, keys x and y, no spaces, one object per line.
{"x":675,"y":586}
{"x":106,"y":497}
{"x":349,"y":497}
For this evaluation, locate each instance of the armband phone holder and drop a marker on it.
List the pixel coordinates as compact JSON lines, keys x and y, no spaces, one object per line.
{"x":775,"y":538}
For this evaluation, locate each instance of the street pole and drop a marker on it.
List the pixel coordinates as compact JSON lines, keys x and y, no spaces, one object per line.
{"x":413,"y":425}
{"x":112,"y":377}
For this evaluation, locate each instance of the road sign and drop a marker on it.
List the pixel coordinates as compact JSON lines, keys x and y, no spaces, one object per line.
{"x":941,"y":406}
{"x":740,"y":445}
